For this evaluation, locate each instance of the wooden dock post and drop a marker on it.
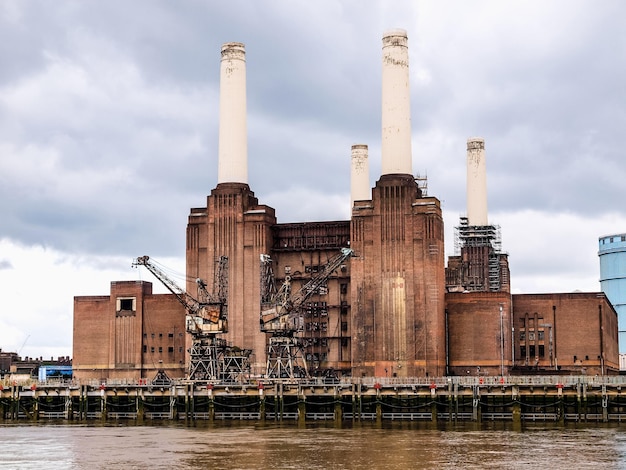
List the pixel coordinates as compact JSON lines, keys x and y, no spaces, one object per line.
{"x":338,"y":415}
{"x":605,"y":405}
{"x":140,"y":405}
{"x":103,"y":403}
{"x":517,"y":406}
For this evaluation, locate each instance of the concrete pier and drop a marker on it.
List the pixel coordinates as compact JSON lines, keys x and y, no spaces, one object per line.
{"x":446,"y":399}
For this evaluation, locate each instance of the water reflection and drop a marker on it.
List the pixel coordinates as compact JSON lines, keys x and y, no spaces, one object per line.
{"x":236,"y":445}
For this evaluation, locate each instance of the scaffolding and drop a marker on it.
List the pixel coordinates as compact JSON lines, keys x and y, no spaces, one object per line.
{"x":422,"y":183}
{"x":474,"y":237}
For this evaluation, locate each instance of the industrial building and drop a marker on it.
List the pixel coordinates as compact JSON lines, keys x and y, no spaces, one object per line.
{"x":612,"y":254}
{"x":390,"y":309}
{"x":13,"y":367}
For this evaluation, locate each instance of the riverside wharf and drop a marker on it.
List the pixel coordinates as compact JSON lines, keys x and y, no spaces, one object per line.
{"x":513,"y":398}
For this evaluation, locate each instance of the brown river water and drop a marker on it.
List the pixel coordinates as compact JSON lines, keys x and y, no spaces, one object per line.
{"x":244,"y":445}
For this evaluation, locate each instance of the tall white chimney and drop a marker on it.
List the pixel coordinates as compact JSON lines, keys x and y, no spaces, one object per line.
{"x":396,"y":104}
{"x":360,"y":174}
{"x":476,"y":182}
{"x":232,"y":164}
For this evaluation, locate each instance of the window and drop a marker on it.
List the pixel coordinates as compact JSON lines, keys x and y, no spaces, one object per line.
{"x":344,"y":326}
{"x":541,"y":350}
{"x":160,"y":349}
{"x":170,"y":349}
{"x":152,"y":349}
{"x":170,"y":335}
{"x":522,"y":351}
{"x":126,"y":304}
{"x":344,"y":342}
{"x":343,"y":288}
{"x":531,"y":351}
{"x":540,"y":335}
{"x":145,"y":348}
{"x":522,"y":336}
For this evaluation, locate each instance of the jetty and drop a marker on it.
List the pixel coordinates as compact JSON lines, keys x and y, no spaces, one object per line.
{"x":514,"y":398}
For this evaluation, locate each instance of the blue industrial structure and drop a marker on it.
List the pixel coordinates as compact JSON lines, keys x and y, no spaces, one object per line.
{"x":58,"y":372}
{"x":612,"y":255}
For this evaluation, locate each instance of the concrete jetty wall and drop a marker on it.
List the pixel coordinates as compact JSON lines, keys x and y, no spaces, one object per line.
{"x":516,"y":399}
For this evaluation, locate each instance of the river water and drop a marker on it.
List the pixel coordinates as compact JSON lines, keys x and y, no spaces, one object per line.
{"x":237,"y":445}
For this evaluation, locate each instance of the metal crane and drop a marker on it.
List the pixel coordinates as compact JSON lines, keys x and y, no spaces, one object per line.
{"x":210,"y":357}
{"x":281,"y":316}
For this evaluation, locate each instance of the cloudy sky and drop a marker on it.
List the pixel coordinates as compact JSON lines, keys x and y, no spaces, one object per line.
{"x":109,"y":123}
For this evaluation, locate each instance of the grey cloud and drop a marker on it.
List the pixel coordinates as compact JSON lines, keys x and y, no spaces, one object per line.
{"x":108,"y":113}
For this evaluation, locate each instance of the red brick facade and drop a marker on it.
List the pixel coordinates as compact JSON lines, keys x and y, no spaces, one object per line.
{"x":479,"y":333}
{"x":568,"y":333}
{"x":398,"y":323}
{"x":385,"y":312}
{"x":129,"y":334}
{"x":233,"y":224}
{"x":552,"y":334}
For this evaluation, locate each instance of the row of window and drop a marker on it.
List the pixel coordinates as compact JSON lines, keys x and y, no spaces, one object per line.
{"x":614,"y":239}
{"x":532,"y":351}
{"x":541,"y":352}
{"x":531,"y":335}
{"x":160,"y":335}
{"x":531,"y":321}
{"x":317,"y":326}
{"x":315,"y":342}
{"x":316,"y":356}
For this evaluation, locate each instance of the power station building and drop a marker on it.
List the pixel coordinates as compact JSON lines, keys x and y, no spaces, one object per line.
{"x":392,"y":309}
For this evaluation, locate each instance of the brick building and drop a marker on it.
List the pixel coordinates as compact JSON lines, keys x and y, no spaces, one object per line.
{"x":129,"y":334}
{"x":572,"y":333}
{"x":393,"y":309}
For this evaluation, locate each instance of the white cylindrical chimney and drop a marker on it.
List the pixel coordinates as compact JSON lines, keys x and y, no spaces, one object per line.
{"x":476,"y":182}
{"x":360,"y":175}
{"x":233,"y":133}
{"x":396,"y":104}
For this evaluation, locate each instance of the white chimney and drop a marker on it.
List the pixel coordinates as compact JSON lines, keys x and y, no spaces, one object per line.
{"x":360,"y":175}
{"x":476,"y":182}
{"x":233,"y":134}
{"x":396,"y":104}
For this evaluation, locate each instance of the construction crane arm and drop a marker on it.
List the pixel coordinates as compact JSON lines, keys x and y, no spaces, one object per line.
{"x":204,"y":318}
{"x":277,"y":312}
{"x":310,"y":287}
{"x":190,"y":304}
